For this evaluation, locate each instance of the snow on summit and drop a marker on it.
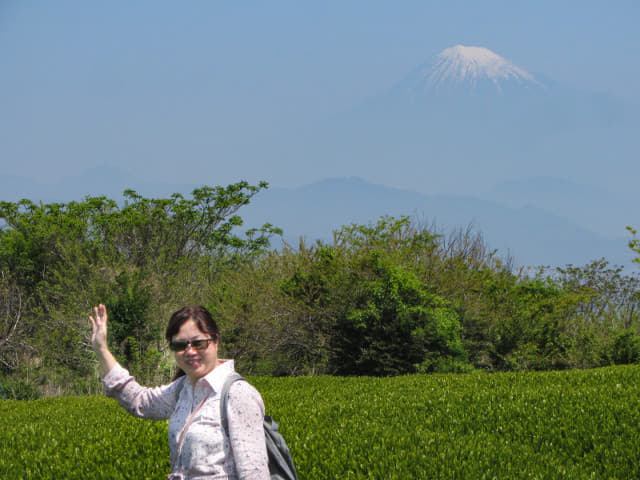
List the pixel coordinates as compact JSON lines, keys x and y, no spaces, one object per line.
{"x":470,"y":68}
{"x":471,"y":63}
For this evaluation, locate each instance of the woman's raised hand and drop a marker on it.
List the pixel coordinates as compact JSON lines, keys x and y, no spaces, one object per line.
{"x":99,"y":324}
{"x":99,"y":338}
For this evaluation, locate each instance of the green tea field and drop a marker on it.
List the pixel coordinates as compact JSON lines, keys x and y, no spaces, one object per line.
{"x":554,"y":425}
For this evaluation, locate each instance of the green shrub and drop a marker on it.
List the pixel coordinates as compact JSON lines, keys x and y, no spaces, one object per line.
{"x":16,"y":389}
{"x":625,"y":348}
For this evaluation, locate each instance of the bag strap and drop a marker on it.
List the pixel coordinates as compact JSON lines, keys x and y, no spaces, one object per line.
{"x":273,"y":440}
{"x":186,"y":427}
{"x":224,"y":396}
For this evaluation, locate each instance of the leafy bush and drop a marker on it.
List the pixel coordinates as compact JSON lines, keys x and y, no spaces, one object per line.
{"x":18,"y":389}
{"x":625,"y":348}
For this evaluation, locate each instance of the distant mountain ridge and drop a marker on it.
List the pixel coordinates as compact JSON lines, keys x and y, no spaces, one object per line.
{"x":594,"y":208}
{"x":531,"y":235}
{"x":511,"y":217}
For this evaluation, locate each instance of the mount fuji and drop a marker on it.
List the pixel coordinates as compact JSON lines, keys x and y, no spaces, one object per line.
{"x":463,"y":70}
{"x":467,"y":120}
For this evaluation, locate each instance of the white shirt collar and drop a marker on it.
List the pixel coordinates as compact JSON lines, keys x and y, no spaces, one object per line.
{"x":216,"y":377}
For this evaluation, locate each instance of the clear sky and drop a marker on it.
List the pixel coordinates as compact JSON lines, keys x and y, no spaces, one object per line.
{"x":190,"y":91}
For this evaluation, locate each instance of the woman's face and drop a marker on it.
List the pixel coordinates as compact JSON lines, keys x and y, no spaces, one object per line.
{"x":195,"y":363}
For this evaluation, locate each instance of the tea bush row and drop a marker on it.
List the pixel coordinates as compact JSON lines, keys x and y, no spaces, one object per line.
{"x":552,"y":425}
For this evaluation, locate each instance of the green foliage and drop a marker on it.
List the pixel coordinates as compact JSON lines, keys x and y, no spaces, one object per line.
{"x":128,"y":310}
{"x":529,"y":333}
{"x":393,"y":326}
{"x":388,"y":298}
{"x":79,"y":437}
{"x":133,"y":333}
{"x":142,"y":258}
{"x":160,"y":232}
{"x":625,"y":348}
{"x":16,"y":389}
{"x":634,"y":243}
{"x":606,"y":314}
{"x":608,"y":297}
{"x":38,"y":241}
{"x":363,"y":294}
{"x":545,"y":425}
{"x":12,"y":326}
{"x":394,"y":298}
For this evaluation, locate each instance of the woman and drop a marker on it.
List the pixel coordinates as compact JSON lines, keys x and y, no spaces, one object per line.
{"x":200,"y":448}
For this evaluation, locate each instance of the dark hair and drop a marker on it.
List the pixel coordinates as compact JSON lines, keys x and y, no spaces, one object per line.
{"x":203,"y":320}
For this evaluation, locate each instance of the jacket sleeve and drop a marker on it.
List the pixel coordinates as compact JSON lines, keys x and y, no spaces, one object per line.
{"x":245,"y":413}
{"x":155,"y":403}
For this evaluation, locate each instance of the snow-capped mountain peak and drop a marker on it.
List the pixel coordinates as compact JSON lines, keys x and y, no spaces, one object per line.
{"x":471,"y":68}
{"x":461,"y":63}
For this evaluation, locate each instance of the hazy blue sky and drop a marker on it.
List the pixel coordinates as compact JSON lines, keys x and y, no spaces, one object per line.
{"x":190,"y":91}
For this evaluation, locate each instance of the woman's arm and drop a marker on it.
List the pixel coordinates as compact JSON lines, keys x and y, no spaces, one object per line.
{"x":245,"y":412}
{"x":153,"y":403}
{"x":99,"y":339}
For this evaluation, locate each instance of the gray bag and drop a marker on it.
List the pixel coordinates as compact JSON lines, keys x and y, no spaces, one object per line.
{"x":280,"y":462}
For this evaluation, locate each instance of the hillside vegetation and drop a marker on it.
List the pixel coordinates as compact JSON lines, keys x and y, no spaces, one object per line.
{"x":580,"y":424}
{"x":390,"y":298}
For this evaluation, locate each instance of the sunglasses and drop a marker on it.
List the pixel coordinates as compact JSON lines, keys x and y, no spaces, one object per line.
{"x":182,"y":345}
